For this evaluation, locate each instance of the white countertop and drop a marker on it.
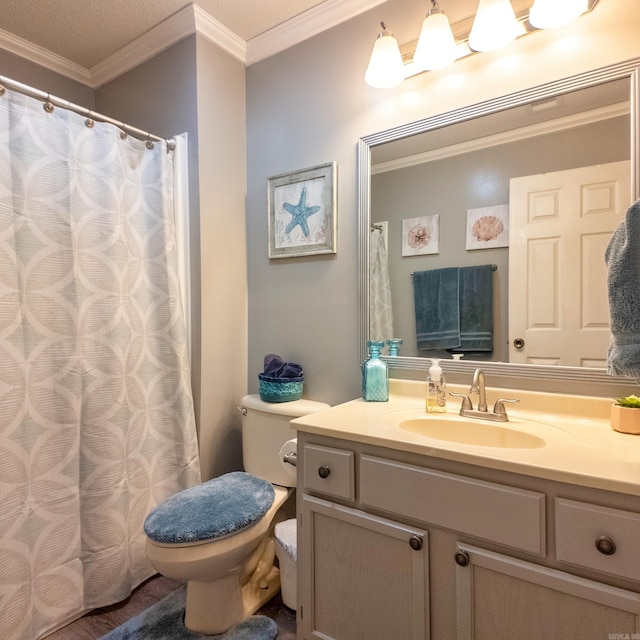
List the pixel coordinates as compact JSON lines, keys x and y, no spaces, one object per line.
{"x":580,"y":447}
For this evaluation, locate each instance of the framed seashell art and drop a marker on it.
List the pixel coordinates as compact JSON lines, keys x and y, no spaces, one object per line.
{"x":488,"y":227}
{"x":421,"y":236}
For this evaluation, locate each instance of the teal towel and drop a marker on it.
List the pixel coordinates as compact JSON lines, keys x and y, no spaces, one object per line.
{"x":454,"y":308}
{"x":436,"y":295}
{"x":623,"y":281}
{"x":476,"y":309}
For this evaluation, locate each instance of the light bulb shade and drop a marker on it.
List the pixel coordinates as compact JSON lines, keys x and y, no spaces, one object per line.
{"x":386,"y":68}
{"x":436,"y":47}
{"x":495,"y":26}
{"x":549,"y":14}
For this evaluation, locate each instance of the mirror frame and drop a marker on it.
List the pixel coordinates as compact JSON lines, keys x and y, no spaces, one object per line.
{"x":585,"y":381}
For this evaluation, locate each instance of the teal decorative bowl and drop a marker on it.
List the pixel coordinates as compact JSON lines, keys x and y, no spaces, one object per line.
{"x":279,"y":389}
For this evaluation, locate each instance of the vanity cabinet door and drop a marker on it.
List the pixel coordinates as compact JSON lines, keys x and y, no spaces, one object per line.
{"x":501,"y":598}
{"x":362,"y":577}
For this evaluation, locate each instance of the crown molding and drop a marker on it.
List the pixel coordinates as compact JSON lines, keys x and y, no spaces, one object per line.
{"x":513,"y":135}
{"x":43,"y":57}
{"x":164,"y":35}
{"x":207,"y":26}
{"x":308,"y":24}
{"x":192,"y":19}
{"x":186,"y":22}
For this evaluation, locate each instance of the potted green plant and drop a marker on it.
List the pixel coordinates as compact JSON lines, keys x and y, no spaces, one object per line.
{"x":625,"y":415}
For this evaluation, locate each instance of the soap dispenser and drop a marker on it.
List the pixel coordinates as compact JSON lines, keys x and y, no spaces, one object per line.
{"x":375,"y":374}
{"x":436,"y":398}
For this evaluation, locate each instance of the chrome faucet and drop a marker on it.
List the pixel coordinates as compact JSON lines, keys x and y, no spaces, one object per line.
{"x":477,"y":386}
{"x":499,"y":413}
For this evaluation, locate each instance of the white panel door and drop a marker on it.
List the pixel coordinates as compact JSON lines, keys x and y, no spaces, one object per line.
{"x":560,"y":225}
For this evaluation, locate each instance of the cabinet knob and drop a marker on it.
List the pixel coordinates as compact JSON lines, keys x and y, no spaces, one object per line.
{"x":324,"y":471}
{"x":605,"y":545}
{"x":415,"y":542}
{"x":462,"y":558}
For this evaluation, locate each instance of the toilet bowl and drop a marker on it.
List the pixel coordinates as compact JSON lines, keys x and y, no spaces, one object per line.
{"x":217,"y":537}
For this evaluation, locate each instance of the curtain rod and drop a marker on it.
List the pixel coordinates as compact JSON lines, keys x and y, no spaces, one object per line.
{"x":83,"y":111}
{"x":494,"y":267}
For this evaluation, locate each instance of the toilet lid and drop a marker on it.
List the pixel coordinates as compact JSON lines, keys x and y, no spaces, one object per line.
{"x":216,"y":508}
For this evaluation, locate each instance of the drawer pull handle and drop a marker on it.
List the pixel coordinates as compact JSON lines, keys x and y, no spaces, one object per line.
{"x":605,"y":545}
{"x":415,"y":542}
{"x":462,"y":558}
{"x":324,"y":471}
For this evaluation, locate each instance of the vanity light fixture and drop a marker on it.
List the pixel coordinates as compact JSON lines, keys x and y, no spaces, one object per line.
{"x":549,"y":14}
{"x":386,"y":68}
{"x":436,"y":45}
{"x":495,"y":25}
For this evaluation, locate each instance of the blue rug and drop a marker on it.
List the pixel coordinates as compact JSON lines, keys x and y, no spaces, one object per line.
{"x":164,"y":621}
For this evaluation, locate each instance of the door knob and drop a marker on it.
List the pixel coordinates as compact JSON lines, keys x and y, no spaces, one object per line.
{"x":518,"y":343}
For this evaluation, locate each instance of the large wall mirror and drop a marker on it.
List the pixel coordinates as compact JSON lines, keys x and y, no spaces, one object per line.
{"x":506,"y":156}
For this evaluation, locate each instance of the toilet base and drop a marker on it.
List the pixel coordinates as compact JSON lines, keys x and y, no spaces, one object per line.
{"x":213,"y":607}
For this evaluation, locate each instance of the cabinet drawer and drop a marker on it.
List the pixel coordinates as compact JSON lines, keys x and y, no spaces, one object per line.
{"x":501,"y":514}
{"x":329,"y":471}
{"x":579,"y":526}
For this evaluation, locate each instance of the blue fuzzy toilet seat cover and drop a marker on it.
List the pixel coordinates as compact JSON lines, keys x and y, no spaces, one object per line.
{"x":214,"y":509}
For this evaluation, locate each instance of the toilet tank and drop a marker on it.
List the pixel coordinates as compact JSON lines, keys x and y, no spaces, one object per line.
{"x":265,"y":429}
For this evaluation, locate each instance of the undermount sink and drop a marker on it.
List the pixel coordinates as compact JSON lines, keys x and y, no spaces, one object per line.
{"x":473,"y":432}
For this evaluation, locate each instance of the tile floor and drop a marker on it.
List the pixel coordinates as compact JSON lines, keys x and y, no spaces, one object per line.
{"x":98,"y":622}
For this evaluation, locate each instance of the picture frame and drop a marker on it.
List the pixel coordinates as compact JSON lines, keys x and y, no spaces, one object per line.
{"x":487,"y":227}
{"x":302,"y":212}
{"x":421,"y":235}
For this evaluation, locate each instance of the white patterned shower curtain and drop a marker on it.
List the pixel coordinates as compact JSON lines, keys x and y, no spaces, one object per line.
{"x":380,"y":309}
{"x":96,"y":414}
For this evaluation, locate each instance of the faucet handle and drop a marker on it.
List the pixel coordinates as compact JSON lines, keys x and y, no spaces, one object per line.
{"x":466,"y":401}
{"x":498,"y":407}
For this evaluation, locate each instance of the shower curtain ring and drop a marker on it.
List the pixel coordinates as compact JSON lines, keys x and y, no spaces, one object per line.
{"x":48,"y":105}
{"x":3,"y":90}
{"x":89,"y":122}
{"x":149,"y":142}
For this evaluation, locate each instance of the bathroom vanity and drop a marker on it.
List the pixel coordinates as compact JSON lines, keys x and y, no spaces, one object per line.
{"x":414,"y":526}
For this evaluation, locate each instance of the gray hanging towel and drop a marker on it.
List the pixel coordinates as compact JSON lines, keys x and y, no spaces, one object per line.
{"x":436,"y":304}
{"x":476,"y":309}
{"x":623,"y":282}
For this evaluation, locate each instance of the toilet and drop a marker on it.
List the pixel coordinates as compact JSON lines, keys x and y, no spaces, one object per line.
{"x":218,"y":536}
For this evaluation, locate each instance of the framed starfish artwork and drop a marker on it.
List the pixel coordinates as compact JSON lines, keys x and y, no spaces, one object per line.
{"x":302,"y":212}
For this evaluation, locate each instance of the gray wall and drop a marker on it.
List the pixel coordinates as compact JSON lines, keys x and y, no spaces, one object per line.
{"x":449,"y":187}
{"x":309,"y":105}
{"x":303,"y":109}
{"x":29,"y":73}
{"x":223,"y":260}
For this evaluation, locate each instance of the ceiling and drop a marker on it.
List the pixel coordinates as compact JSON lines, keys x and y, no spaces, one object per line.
{"x":93,"y":41}
{"x":87,"y":32}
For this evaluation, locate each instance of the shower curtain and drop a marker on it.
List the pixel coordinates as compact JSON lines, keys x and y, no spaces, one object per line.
{"x":96,"y":414}
{"x":380,"y":309}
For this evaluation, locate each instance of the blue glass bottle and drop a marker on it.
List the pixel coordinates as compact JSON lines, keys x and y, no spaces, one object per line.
{"x":375,"y":374}
{"x":394,"y":346}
